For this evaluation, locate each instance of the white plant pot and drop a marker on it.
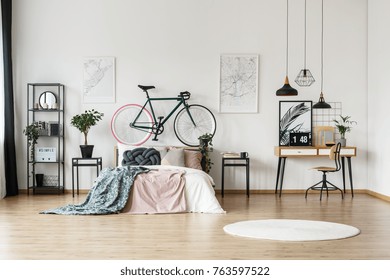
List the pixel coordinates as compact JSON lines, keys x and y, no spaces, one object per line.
{"x":342,"y":141}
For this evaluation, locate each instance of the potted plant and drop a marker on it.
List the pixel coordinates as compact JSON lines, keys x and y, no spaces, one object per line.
{"x":84,"y":122}
{"x":343,"y":126}
{"x":32,"y":133}
{"x":205,"y":147}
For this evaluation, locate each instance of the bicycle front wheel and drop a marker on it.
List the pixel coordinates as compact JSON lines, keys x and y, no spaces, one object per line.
{"x":123,"y":132}
{"x":186,"y":131}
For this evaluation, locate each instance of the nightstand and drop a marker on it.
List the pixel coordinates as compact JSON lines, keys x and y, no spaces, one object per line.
{"x":84,"y":162}
{"x":229,"y":161}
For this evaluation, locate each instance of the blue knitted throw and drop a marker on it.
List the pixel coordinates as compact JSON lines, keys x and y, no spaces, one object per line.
{"x":108,"y":194}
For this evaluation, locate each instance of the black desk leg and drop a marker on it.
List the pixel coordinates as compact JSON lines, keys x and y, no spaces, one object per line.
{"x":278,"y":175}
{"x":282,"y":175}
{"x":73,"y":181}
{"x":247,"y":177}
{"x":350,"y":173}
{"x":223,"y":174}
{"x":77,"y":167}
{"x":343,"y":170}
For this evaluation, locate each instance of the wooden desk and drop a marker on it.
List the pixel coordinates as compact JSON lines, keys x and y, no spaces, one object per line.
{"x":284,"y":152}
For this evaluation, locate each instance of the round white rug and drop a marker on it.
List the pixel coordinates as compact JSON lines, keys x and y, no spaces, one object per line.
{"x":291,"y":230}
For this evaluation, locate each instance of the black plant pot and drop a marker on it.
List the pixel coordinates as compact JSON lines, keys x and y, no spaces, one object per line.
{"x":39,"y":180}
{"x":86,"y":151}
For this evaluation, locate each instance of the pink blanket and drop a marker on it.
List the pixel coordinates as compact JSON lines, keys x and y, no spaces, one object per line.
{"x":157,"y":191}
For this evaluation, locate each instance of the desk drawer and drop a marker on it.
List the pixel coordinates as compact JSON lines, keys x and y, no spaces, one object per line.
{"x":298,"y":152}
{"x":344,"y":152}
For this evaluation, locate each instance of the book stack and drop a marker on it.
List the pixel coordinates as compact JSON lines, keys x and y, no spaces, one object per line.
{"x":230,"y":155}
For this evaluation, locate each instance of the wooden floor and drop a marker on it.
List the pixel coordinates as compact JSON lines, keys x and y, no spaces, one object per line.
{"x":25,"y":234}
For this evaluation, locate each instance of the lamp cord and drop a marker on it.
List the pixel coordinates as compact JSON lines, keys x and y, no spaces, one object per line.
{"x":305,"y":41}
{"x":287,"y":44}
{"x":322,"y":44}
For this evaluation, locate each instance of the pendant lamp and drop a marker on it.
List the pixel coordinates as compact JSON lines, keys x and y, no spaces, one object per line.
{"x":304,"y":78}
{"x":286,"y":90}
{"x":321,"y":104}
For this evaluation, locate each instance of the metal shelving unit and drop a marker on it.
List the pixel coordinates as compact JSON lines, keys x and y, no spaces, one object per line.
{"x":45,"y":106}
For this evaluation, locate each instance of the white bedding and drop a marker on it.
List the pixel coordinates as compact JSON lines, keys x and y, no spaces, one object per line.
{"x":199,"y":191}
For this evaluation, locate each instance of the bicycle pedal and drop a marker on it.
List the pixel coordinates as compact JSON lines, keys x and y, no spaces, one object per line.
{"x":160,"y":118}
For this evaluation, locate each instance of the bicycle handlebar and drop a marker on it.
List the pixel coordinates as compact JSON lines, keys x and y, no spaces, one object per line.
{"x":185,"y":94}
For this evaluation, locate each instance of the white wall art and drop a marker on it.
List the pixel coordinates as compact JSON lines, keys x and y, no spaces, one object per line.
{"x":238,"y":83}
{"x":99,"y":80}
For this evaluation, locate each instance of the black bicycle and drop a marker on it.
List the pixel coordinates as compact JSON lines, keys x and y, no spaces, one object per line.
{"x":133,"y":124}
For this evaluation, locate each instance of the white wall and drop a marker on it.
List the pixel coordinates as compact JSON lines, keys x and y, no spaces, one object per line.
{"x":175,"y":45}
{"x":378,"y":95}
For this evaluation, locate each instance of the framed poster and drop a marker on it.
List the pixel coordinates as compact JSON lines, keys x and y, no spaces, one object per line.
{"x":295,"y":123}
{"x":238,"y":88}
{"x":99,"y":80}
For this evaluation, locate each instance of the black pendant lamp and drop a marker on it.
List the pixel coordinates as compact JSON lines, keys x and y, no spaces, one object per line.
{"x":286,"y":90}
{"x":305,"y":78}
{"x":321,"y":104}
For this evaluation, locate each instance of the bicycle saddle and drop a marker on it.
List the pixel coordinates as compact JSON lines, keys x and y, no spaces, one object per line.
{"x":145,"y":88}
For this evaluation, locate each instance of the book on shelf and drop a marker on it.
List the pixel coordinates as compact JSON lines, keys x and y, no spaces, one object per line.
{"x":230,"y":155}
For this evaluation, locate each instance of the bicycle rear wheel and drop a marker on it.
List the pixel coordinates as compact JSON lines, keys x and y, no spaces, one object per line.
{"x":123,"y":132}
{"x":187,"y":132}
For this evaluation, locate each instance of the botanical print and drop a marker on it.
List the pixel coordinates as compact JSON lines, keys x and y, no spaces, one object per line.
{"x":99,"y":80}
{"x":294,"y":117}
{"x":238,"y":83}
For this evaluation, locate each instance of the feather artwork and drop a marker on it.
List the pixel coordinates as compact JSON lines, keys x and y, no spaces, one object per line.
{"x":289,"y":119}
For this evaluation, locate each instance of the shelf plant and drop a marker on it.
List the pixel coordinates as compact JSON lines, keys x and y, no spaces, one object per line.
{"x":32,"y":133}
{"x":83,"y":122}
{"x":343,"y":126}
{"x":205,"y":147}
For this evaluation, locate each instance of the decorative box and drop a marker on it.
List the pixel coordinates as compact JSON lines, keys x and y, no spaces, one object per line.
{"x":50,"y":181}
{"x":46,"y":154}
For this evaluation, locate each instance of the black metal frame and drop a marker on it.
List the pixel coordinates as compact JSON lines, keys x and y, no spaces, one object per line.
{"x":77,"y":162}
{"x":246,"y":164}
{"x":31,"y":111}
{"x":311,"y":118}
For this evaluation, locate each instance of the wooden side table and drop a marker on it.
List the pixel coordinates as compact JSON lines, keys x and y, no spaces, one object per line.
{"x":233,"y":162}
{"x":80,"y":162}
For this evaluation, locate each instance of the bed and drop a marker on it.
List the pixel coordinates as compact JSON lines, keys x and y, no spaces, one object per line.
{"x":178,"y":184}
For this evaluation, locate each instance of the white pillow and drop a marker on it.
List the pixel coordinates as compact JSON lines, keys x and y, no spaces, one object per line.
{"x":174,"y":157}
{"x":162,"y":149}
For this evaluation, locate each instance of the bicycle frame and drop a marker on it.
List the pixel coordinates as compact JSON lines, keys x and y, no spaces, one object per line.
{"x":160,"y":123}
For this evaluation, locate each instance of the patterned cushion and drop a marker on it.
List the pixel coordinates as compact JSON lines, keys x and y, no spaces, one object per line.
{"x":141,"y":156}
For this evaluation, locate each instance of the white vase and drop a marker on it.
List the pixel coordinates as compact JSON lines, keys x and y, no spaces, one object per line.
{"x":342,"y":141}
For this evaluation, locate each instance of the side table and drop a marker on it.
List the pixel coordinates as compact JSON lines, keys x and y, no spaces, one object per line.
{"x":80,"y":162}
{"x":235,"y":161}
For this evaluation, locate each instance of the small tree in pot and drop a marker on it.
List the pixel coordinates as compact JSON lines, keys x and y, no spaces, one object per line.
{"x":84,"y":122}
